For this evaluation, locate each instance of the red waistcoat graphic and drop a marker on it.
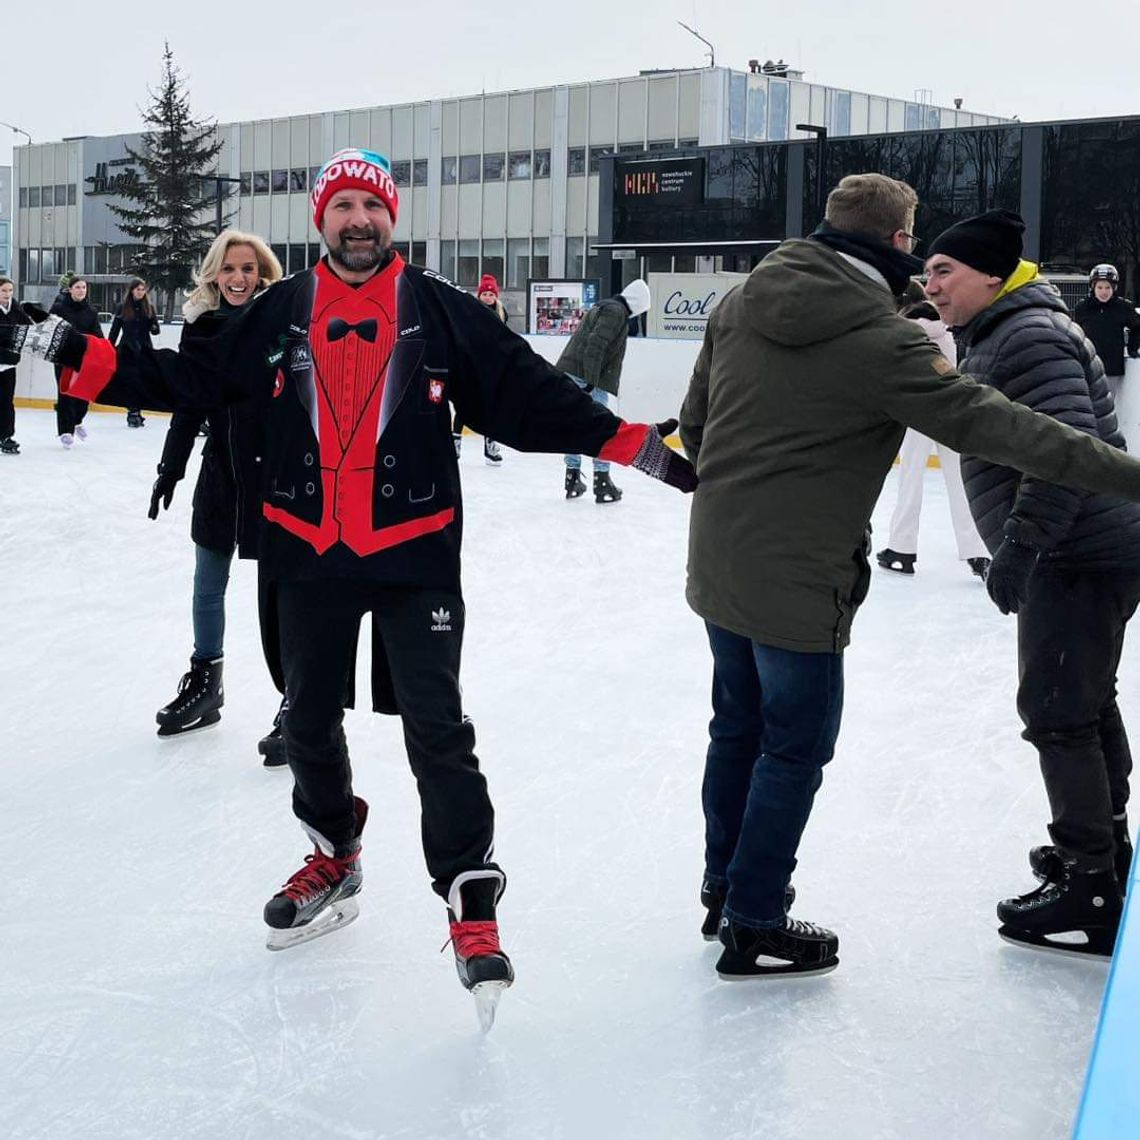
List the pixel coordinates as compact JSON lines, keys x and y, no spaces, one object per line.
{"x":342,"y":373}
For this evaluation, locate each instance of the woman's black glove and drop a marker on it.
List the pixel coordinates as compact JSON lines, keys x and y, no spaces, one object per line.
{"x":163,"y":491}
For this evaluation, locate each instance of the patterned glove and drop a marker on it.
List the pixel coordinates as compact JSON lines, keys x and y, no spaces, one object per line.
{"x":659,"y":461}
{"x":1007,"y":579}
{"x":163,"y":491}
{"x":50,"y":338}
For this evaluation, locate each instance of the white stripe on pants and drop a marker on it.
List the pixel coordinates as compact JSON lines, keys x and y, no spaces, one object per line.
{"x":913,"y":454}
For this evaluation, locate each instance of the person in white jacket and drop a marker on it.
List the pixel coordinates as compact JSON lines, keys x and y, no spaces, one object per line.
{"x":902,"y":549}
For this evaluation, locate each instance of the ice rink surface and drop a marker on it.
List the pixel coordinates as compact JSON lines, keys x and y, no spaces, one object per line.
{"x":137,"y":999}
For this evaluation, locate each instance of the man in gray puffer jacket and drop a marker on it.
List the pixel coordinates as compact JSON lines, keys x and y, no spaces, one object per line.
{"x":1067,"y":562}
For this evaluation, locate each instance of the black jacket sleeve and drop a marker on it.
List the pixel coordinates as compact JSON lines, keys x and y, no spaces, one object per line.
{"x":1132,"y":323}
{"x":116,"y":326}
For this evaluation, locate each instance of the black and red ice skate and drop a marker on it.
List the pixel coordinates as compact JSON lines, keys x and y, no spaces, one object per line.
{"x":319,"y":898}
{"x":483,"y":968}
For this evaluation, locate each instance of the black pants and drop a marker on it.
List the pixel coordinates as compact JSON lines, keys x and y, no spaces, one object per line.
{"x":422,"y":631}
{"x":68,"y":410}
{"x":7,"y":402}
{"x":1069,"y":639}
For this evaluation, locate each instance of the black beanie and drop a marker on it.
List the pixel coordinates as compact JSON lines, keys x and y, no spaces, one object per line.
{"x":989,"y":242}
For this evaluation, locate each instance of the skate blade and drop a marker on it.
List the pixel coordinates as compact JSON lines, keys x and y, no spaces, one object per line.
{"x":207,"y":720}
{"x":335,"y":918}
{"x":786,"y":974}
{"x":1092,"y":949}
{"x":487,"y":995}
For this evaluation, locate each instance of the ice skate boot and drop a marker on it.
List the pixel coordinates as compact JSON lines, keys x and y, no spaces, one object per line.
{"x":980,"y":567}
{"x":67,"y":439}
{"x":200,"y":697}
{"x":9,"y":446}
{"x":319,"y":898}
{"x":135,"y":419}
{"x":575,"y":484}
{"x":604,"y":489}
{"x":892,"y":560}
{"x":1074,"y":911}
{"x":479,"y":959}
{"x":272,"y":745}
{"x":796,"y":949}
{"x":712,"y":899}
{"x":492,"y":455}
{"x":80,"y":432}
{"x":1046,"y":861}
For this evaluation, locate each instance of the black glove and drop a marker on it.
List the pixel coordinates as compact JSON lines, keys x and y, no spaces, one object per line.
{"x":35,"y":313}
{"x":660,"y":461}
{"x":1007,"y":579}
{"x":163,"y":489}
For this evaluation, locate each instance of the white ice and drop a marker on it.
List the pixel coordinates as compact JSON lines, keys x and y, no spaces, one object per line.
{"x":137,"y":999}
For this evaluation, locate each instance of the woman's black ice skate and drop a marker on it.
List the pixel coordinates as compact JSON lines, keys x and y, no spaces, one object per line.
{"x":604,"y":489}
{"x":319,"y":898}
{"x":575,"y":485}
{"x":979,"y":567}
{"x":272,"y":745}
{"x":1074,"y":911}
{"x":795,"y":949}
{"x":482,"y":966}
{"x":892,"y":560}
{"x":712,"y":899}
{"x":200,"y":697}
{"x":9,"y":446}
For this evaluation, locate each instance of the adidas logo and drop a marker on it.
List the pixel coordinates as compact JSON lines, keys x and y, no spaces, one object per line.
{"x":441,"y":620}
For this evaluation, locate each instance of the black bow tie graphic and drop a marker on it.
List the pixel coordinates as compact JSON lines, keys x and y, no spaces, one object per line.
{"x":339,"y":329}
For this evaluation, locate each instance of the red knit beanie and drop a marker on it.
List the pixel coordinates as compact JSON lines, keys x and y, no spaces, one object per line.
{"x":488,"y":284}
{"x":354,"y":169}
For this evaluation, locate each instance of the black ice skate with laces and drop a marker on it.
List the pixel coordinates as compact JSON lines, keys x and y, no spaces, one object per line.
{"x":793,"y":949}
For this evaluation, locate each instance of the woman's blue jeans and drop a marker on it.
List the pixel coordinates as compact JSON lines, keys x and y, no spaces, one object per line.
{"x":211,"y":576}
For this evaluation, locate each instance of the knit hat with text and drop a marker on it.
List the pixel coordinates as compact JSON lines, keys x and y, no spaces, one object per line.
{"x":989,"y":242}
{"x":354,"y":169}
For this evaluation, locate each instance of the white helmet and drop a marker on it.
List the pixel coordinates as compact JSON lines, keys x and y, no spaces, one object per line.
{"x":1104,"y":272}
{"x":636,"y":296}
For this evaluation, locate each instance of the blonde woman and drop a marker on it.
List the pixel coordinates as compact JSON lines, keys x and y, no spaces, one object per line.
{"x":227,"y":499}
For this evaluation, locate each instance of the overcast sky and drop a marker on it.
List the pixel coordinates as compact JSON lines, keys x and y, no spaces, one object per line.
{"x":69,"y":70}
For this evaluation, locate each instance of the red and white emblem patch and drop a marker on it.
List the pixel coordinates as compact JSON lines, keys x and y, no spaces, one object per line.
{"x":435,"y":391}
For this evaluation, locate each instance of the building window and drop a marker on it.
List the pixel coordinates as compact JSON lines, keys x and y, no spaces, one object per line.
{"x":688,"y":144}
{"x":71,"y":194}
{"x":34,"y":265}
{"x":593,"y":261}
{"x":313,"y":172}
{"x":34,"y":199}
{"x":519,"y":164}
{"x":448,"y":172}
{"x":469,"y":168}
{"x":419,"y":251}
{"x":261,"y":181}
{"x":493,"y":258}
{"x":518,"y":262}
{"x":447,"y":259}
{"x":542,"y":164}
{"x":280,"y":182}
{"x":540,"y":261}
{"x":659,"y":263}
{"x":575,"y":256}
{"x":419,"y":172}
{"x":22,"y":260}
{"x":24,"y":197}
{"x":47,"y":263}
{"x":494,"y":166}
{"x":576,"y":160}
{"x":281,"y":252}
{"x":662,"y":144}
{"x":468,"y":267}
{"x":400,"y":247}
{"x":402,"y":173}
{"x":297,"y":257}
{"x":596,"y":153}
{"x":631,"y":148}
{"x":61,"y":195}
{"x":314,"y":252}
{"x":99,"y":264}
{"x":298,"y":180}
{"x":685,"y":263}
{"x":246,"y":183}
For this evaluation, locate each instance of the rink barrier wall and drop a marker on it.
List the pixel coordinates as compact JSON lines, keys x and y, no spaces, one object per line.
{"x":1110,"y":1103}
{"x":654,"y":380}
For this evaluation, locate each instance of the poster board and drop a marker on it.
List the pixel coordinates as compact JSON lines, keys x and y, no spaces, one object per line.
{"x":556,"y":307}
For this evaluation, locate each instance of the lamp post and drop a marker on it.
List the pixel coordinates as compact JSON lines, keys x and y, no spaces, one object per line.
{"x":694,"y":32}
{"x":17,"y":130}
{"x":820,"y":155}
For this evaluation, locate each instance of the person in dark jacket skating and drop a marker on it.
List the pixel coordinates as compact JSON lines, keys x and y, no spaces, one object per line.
{"x":72,"y":306}
{"x":227,"y":495}
{"x":10,"y":314}
{"x":355,"y":362}
{"x":593,"y":358}
{"x":488,"y":294}
{"x":136,"y":322}
{"x":1106,"y":317}
{"x":1066,"y":562}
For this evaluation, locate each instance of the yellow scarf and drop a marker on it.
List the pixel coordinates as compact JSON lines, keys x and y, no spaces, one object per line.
{"x":1024,"y":274}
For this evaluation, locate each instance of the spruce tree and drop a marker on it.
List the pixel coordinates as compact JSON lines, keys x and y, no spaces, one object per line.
{"x":166,"y":202}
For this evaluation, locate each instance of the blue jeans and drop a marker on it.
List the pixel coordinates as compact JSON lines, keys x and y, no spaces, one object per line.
{"x":211,"y":576}
{"x":776,"y":717}
{"x":574,"y":462}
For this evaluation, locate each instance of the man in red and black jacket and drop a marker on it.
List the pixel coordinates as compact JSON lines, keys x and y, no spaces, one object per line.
{"x":357,"y":360}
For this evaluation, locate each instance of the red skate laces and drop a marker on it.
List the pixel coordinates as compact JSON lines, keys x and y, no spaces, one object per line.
{"x":320,"y":873}
{"x":474,"y":939}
